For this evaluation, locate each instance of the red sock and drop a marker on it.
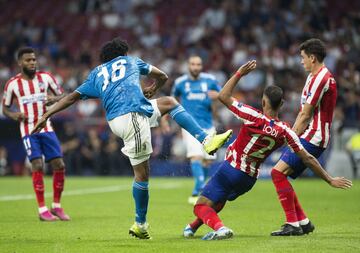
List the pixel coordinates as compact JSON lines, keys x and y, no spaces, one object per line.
{"x":208,"y":216}
{"x":198,"y":222}
{"x":38,"y":184}
{"x":58,"y":184}
{"x":286,"y":194}
{"x":299,"y":211}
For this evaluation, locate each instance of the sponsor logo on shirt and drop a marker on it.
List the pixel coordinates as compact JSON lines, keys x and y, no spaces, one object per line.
{"x":196,"y":96}
{"x":34,"y":98}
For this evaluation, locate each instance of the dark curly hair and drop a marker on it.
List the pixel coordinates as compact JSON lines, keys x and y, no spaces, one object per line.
{"x":112,"y":49}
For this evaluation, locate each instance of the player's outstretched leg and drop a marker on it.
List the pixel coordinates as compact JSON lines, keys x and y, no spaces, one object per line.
{"x":177,"y":112}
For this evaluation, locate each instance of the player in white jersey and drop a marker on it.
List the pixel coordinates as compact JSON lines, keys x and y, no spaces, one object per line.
{"x":30,"y":89}
{"x":197,"y":92}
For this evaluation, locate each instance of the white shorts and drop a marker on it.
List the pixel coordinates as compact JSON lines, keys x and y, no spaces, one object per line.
{"x":194,"y":147}
{"x":134,"y":129}
{"x":155,"y":118}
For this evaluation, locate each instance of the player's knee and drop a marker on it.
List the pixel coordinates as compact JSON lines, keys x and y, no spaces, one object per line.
{"x":169,"y":103}
{"x":58,"y":164}
{"x":37,"y":165}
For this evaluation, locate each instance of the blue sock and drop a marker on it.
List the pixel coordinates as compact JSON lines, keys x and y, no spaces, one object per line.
{"x":198,"y":174}
{"x":141,"y":197}
{"x":186,"y":121}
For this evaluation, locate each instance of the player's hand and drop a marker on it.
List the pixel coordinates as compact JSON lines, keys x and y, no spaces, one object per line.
{"x":50,"y":100}
{"x":340,"y":182}
{"x":213,"y":94}
{"x":247,"y":68}
{"x":40,"y":125}
{"x":149,"y":91}
{"x":19,"y":116}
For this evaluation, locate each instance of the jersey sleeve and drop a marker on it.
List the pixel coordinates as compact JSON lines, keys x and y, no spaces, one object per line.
{"x":53,"y":84}
{"x":214,"y":85}
{"x":87,"y":89}
{"x":245,"y":112}
{"x":8,"y":94}
{"x":176,"y":91}
{"x":144,"y":67}
{"x":318,"y":88}
{"x":292,"y":140}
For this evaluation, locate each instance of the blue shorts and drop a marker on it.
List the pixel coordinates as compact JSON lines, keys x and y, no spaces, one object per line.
{"x":227,"y":183}
{"x":295,"y":162}
{"x":37,"y":145}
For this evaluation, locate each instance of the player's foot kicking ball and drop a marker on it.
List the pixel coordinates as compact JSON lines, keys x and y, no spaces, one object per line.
{"x":188,"y":232}
{"x":59,"y":212}
{"x":213,"y":142}
{"x":140,"y":231}
{"x":287,"y":230}
{"x":308,"y":228}
{"x":221,"y":234}
{"x":47,"y":216}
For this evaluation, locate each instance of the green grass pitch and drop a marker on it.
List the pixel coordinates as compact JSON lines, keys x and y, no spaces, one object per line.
{"x":102,"y":212}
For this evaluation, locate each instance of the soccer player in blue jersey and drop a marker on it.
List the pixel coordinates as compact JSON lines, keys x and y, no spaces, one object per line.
{"x":130,"y":114}
{"x":197,"y":91}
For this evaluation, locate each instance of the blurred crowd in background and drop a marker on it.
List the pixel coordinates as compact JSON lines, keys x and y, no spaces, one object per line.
{"x":68,"y":34}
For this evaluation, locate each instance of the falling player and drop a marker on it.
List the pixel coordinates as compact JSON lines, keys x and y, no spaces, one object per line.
{"x":30,"y":88}
{"x":261,"y":134}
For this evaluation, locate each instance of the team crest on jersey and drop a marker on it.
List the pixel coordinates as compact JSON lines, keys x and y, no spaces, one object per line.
{"x":204,"y":87}
{"x":41,"y":86}
{"x":187,"y":87}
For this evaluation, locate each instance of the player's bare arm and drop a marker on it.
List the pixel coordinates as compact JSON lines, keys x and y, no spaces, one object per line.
{"x":17,"y":116}
{"x":52,"y":99}
{"x":303,"y":119}
{"x":310,"y":161}
{"x":160,"y":79}
{"x":64,"y":103}
{"x":225,"y":95}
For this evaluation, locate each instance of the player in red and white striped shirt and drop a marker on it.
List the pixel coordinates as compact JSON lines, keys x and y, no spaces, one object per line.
{"x":260,"y":135}
{"x":30,"y":90}
{"x":312,"y":124}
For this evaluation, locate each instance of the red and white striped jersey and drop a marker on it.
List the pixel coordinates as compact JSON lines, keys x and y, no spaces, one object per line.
{"x":319,"y":91}
{"x":31,"y":98}
{"x":257,"y":139}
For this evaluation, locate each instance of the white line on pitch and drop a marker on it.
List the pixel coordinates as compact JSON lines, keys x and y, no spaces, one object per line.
{"x":113,"y":188}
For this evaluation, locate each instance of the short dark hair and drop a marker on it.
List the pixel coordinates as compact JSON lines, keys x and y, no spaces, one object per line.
{"x":24,"y":50}
{"x":112,"y":49}
{"x":315,"y":47}
{"x":275,"y":95}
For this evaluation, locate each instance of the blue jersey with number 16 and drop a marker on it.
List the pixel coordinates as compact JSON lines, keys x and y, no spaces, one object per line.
{"x":117,"y":84}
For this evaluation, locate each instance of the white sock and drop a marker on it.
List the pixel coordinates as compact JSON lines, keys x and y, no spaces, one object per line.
{"x":295,"y":224}
{"x":56,"y":205}
{"x":42,"y":209}
{"x":304,"y":221}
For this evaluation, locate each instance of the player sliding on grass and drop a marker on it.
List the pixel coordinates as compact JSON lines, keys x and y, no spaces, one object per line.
{"x":261,"y":134}
{"x":129,"y":114}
